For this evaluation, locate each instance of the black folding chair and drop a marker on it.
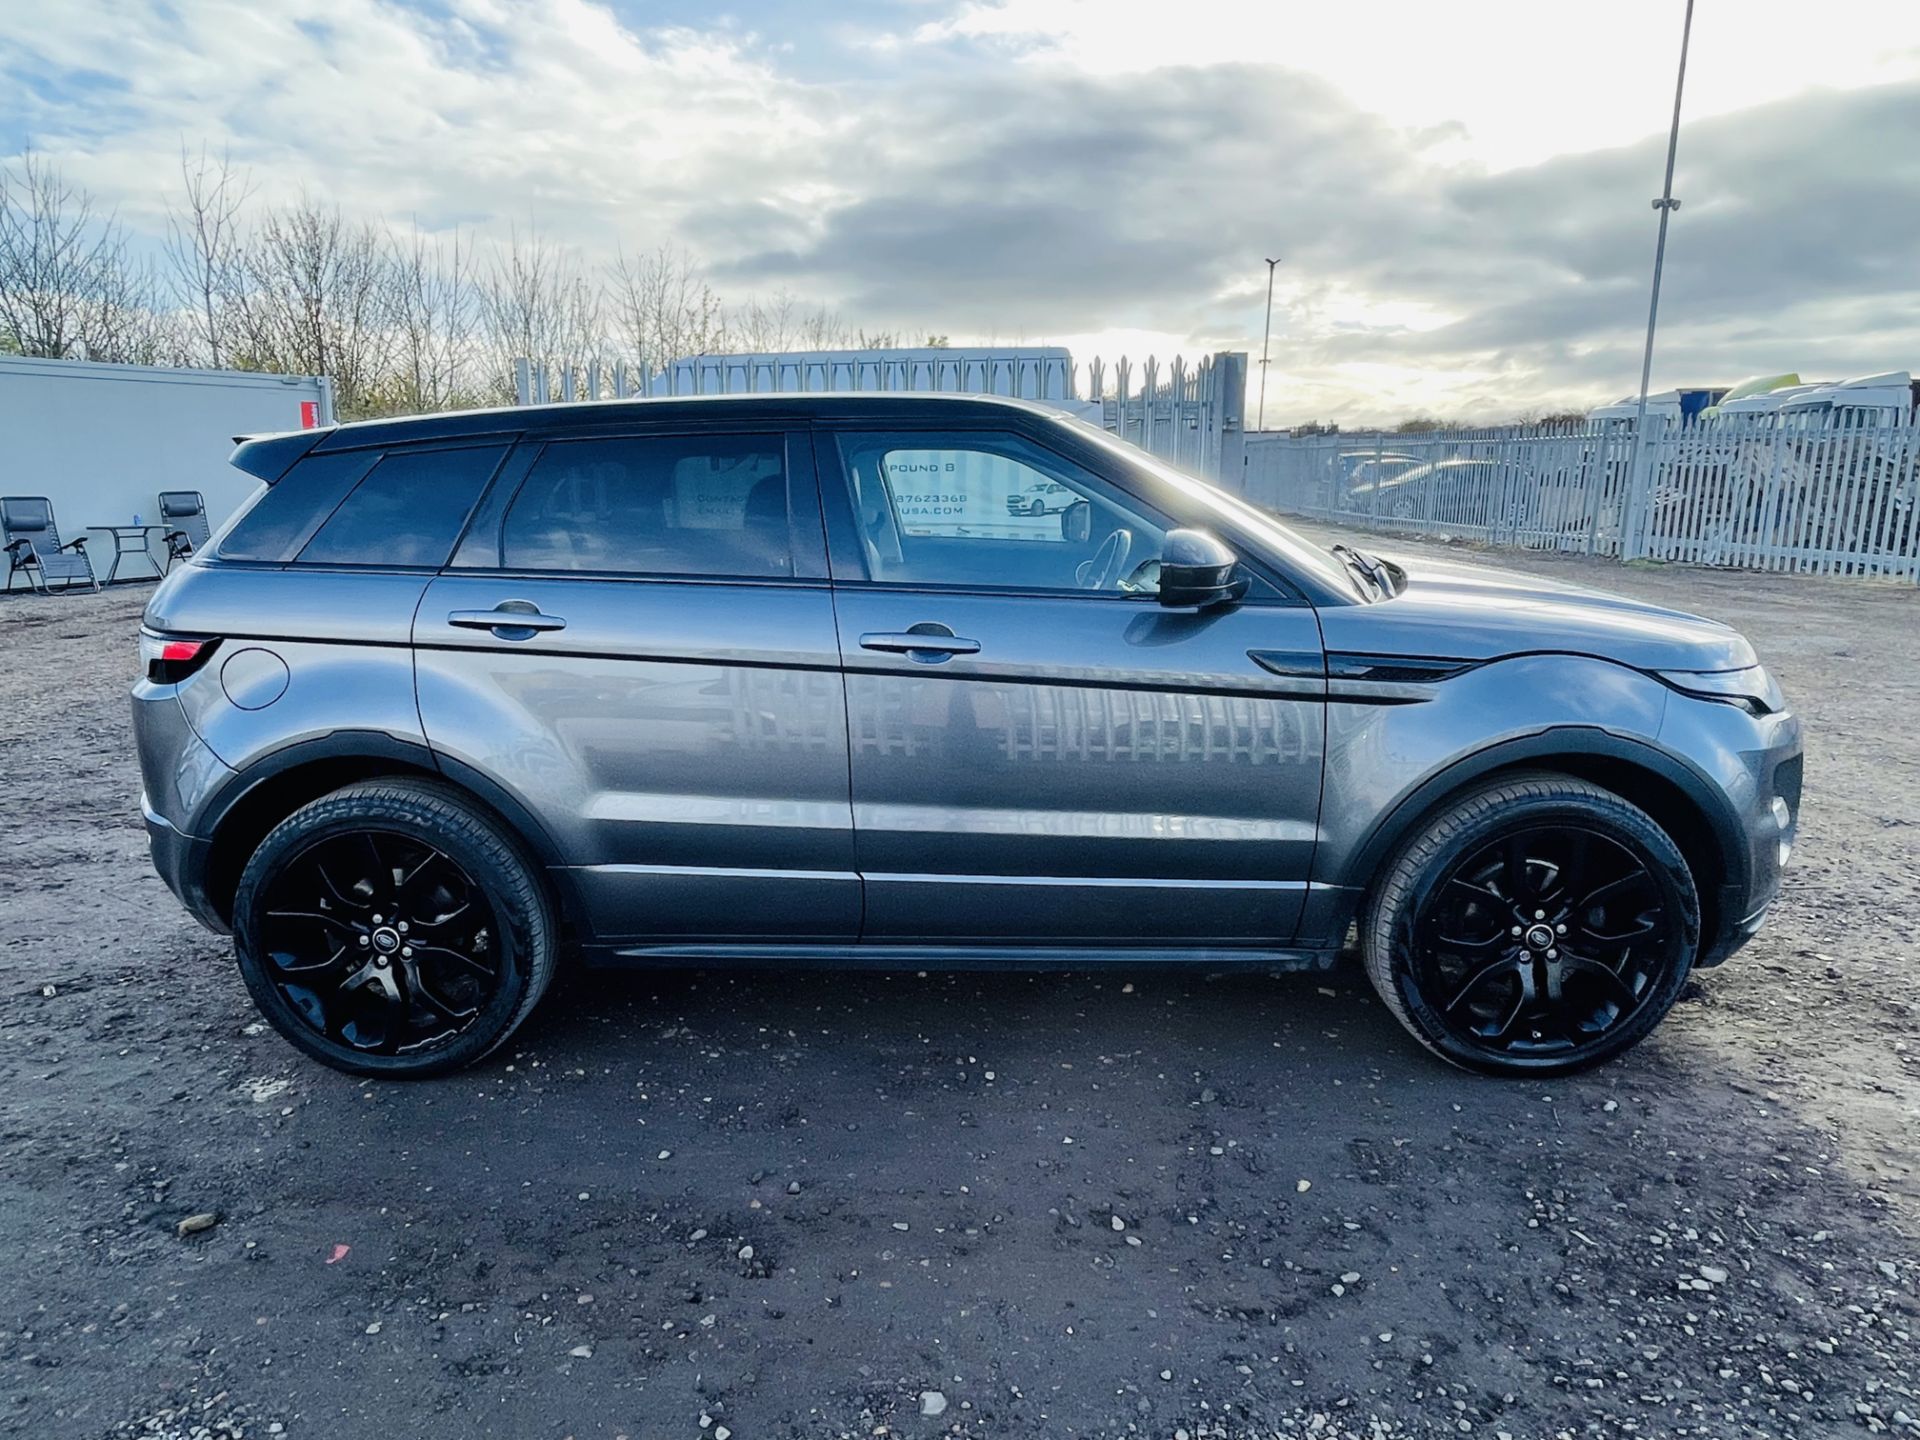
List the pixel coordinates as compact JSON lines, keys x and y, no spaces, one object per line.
{"x":33,"y":546}
{"x":183,"y":514}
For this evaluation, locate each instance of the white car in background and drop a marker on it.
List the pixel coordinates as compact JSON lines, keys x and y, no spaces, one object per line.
{"x":1043,"y":497}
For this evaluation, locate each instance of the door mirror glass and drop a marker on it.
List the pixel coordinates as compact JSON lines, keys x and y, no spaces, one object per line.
{"x":1076,"y":523}
{"x":1198,"y":570}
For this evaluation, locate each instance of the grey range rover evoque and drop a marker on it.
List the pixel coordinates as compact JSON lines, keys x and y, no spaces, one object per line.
{"x":780,"y":679}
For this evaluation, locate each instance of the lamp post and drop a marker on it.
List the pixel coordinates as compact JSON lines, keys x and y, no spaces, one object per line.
{"x":1666,"y":205}
{"x":1260,"y":422}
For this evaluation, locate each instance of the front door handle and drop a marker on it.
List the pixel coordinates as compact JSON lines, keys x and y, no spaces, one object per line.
{"x":509,"y":620}
{"x":928,"y":641}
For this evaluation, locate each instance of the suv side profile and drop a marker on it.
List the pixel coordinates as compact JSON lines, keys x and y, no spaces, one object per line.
{"x":702,"y":681}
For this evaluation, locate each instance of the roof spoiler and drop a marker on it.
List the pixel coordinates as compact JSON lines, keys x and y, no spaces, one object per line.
{"x":270,"y":456}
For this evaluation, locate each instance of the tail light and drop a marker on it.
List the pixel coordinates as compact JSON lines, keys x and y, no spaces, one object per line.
{"x":169,"y":659}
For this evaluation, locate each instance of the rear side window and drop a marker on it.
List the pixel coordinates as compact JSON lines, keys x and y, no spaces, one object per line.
{"x":285,"y":514}
{"x":713,"y":505}
{"x":407,"y":511}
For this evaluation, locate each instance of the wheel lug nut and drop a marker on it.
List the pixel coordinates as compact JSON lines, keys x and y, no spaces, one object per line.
{"x":1553,"y":954}
{"x":380,"y":962}
{"x":376,"y":919}
{"x":402,"y":927}
{"x":1538,"y":915}
{"x":1560,"y":929}
{"x":363,"y":940}
{"x":1516,"y":930}
{"x":406,"y":950}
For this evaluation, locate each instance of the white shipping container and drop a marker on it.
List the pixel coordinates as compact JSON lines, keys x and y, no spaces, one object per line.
{"x":102,"y":441}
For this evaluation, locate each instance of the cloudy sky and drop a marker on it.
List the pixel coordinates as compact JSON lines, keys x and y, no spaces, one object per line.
{"x":1459,"y":191}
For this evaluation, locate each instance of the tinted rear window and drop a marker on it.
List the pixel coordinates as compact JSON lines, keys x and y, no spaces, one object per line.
{"x":407,"y":511}
{"x":287,"y":513}
{"x":655,"y":505}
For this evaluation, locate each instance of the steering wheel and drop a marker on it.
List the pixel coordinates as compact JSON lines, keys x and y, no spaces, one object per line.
{"x":1109,"y":562}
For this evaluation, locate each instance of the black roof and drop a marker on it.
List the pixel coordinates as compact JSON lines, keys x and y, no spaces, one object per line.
{"x":271,"y":456}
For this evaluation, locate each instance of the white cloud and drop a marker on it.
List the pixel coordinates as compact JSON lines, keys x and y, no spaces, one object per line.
{"x":1511,"y":81}
{"x":1459,"y":191}
{"x":550,"y":109}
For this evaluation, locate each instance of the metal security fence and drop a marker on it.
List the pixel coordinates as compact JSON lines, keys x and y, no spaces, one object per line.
{"x":1189,"y":414}
{"x":1192,"y":416}
{"x":1826,"y":493}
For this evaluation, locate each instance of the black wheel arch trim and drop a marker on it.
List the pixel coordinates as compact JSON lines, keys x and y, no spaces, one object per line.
{"x":1542,"y":748}
{"x":380,"y":746}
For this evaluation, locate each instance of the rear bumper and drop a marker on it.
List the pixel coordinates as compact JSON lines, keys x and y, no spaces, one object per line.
{"x":181,"y":861}
{"x":177,"y":773}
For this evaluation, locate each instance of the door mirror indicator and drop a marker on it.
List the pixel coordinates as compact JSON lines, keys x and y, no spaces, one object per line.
{"x":1076,"y":523}
{"x":1197,"y":570}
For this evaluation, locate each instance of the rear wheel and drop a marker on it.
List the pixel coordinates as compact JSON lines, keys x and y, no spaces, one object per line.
{"x":390,"y":929}
{"x":1537,"y":927}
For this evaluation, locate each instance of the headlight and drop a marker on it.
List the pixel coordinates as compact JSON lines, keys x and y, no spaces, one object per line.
{"x":1752,"y":688}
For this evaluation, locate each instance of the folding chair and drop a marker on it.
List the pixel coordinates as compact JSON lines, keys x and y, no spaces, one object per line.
{"x":183,"y":515}
{"x":33,"y":545}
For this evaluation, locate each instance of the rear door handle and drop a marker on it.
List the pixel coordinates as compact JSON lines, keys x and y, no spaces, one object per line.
{"x":928,"y":641}
{"x":509,"y":620}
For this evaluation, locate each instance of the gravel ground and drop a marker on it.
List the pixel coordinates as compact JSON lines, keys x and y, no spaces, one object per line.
{"x":756,"y":1205}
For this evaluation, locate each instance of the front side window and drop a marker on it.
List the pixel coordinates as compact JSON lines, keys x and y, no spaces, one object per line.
{"x":709,"y":505}
{"x":993,"y":511}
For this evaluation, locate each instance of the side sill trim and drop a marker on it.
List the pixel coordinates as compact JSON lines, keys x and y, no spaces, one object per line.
{"x":1091,"y":882}
{"x":963,"y":957}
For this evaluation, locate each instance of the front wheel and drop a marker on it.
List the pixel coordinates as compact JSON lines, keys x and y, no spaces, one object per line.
{"x":391,"y":929}
{"x":1536,"y":927}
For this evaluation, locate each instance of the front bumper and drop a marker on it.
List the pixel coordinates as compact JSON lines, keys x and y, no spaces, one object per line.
{"x":1762,"y":776}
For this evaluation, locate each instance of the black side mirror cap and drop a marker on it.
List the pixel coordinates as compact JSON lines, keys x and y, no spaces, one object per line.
{"x":1197,"y":571}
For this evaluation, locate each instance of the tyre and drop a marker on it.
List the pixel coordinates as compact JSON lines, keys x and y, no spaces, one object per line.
{"x":390,"y":929}
{"x":1036,"y":508}
{"x":1536,"y":927}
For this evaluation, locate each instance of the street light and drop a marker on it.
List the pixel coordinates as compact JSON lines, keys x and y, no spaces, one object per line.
{"x":1260,"y":423}
{"x":1666,"y":205}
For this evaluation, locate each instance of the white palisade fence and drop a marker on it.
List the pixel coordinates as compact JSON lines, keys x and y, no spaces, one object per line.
{"x":1188,"y":414}
{"x":1828,"y":493}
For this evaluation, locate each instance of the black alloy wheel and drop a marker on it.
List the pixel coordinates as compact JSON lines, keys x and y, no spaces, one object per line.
{"x":1542,"y":940}
{"x":392,"y":929}
{"x":380,"y":942}
{"x":1539,"y":927}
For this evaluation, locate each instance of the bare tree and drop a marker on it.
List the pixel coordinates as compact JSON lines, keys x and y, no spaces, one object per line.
{"x":205,"y":251}
{"x":66,"y":284}
{"x":786,"y":323}
{"x":316,"y":300}
{"x":663,"y":309}
{"x":435,"y":317}
{"x":399,"y":321}
{"x":123,"y":320}
{"x":536,"y":303}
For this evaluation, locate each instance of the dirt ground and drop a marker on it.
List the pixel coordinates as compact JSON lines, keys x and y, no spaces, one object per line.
{"x":771,"y":1204}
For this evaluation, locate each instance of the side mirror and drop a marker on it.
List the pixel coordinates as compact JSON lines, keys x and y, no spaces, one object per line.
{"x":1076,"y":523}
{"x":1197,"y":570}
